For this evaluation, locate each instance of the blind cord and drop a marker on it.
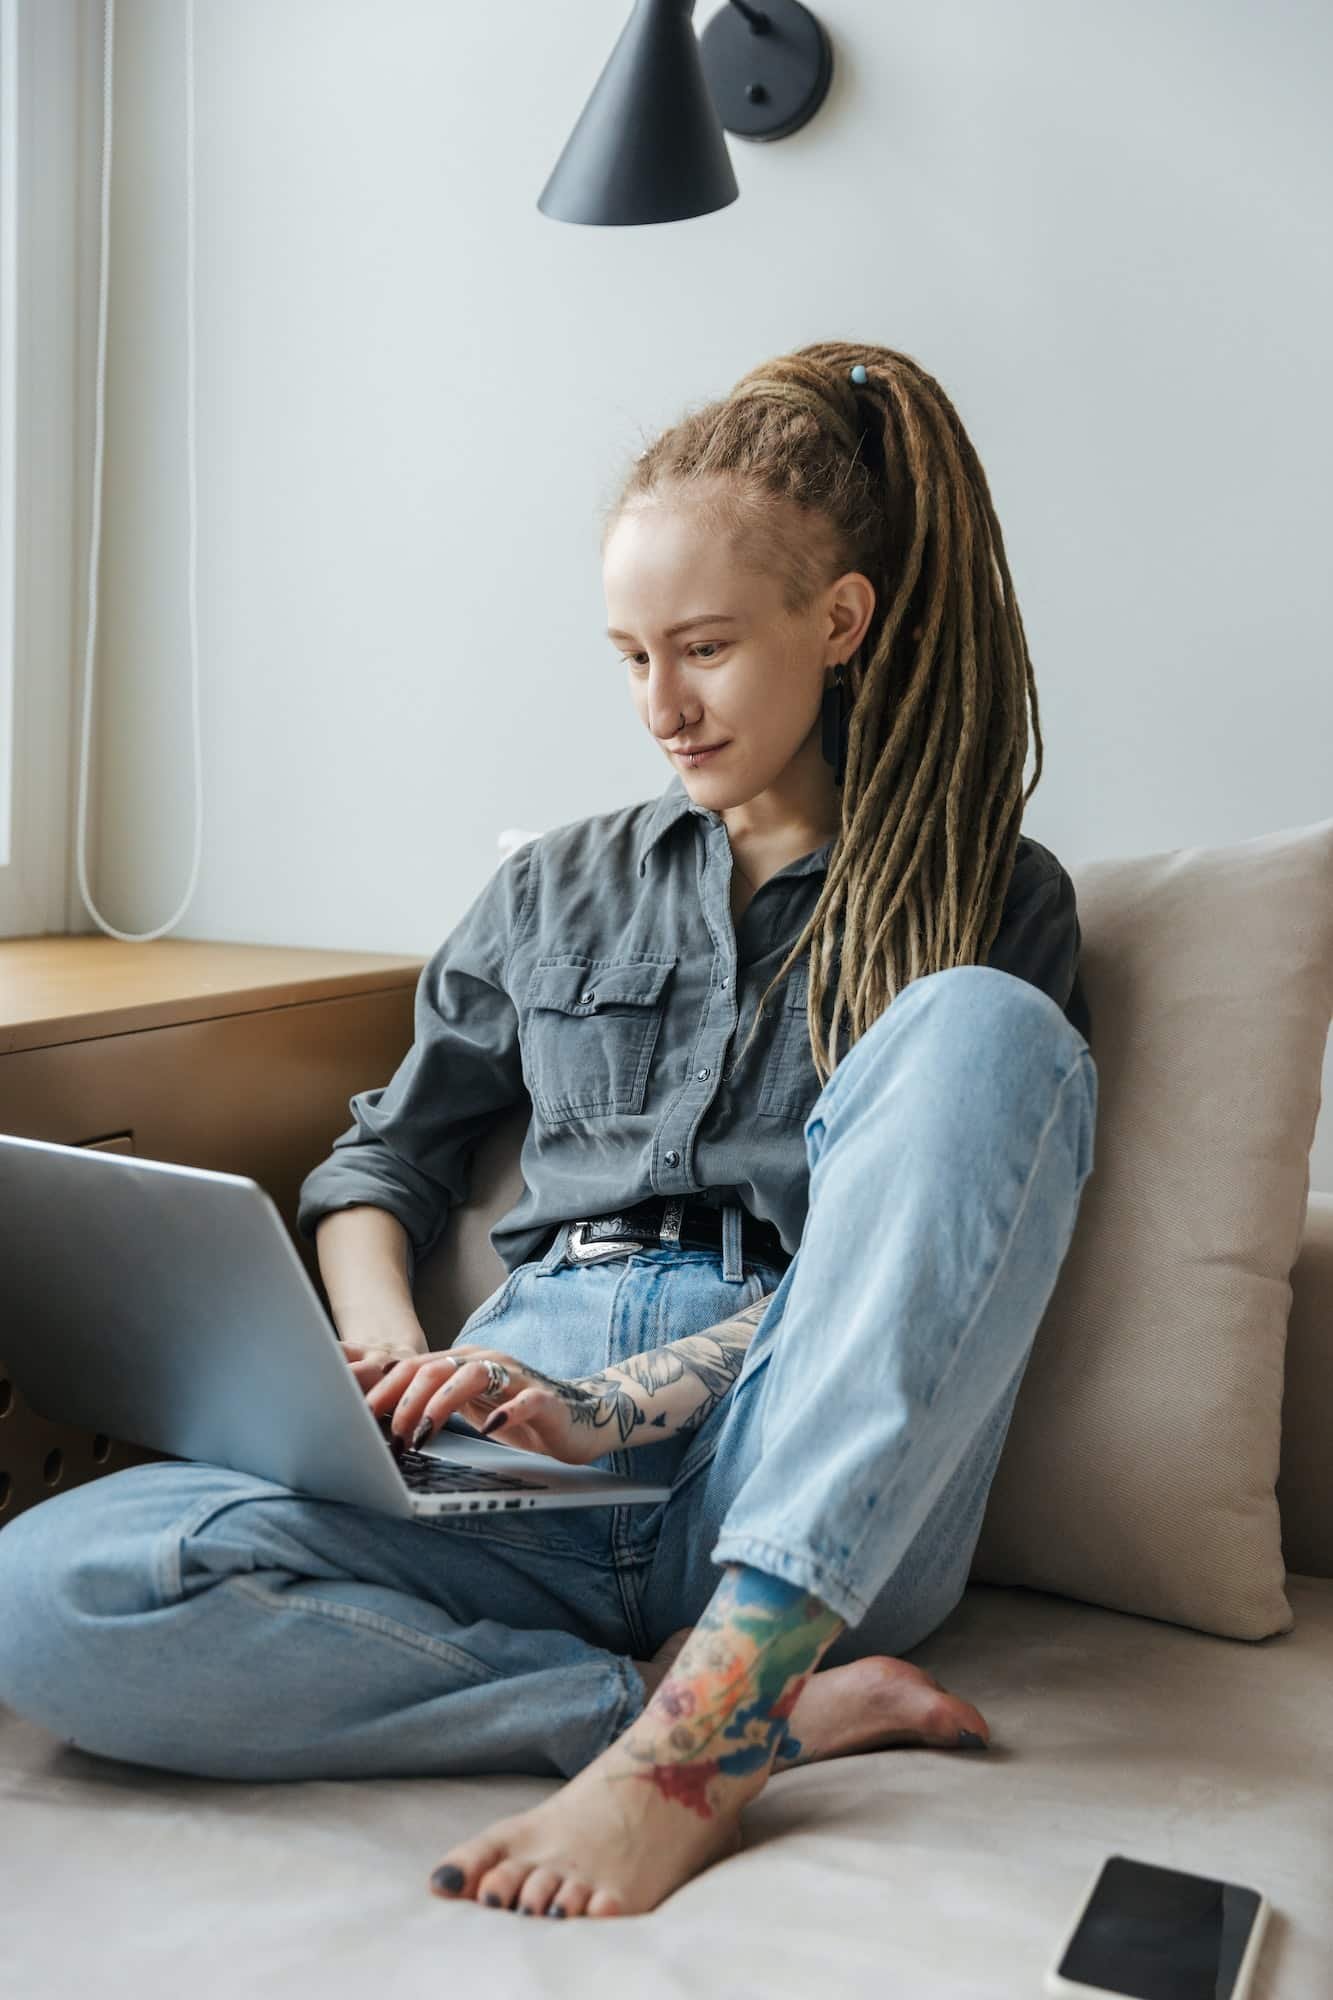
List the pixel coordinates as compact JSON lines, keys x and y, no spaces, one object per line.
{"x":109,"y":32}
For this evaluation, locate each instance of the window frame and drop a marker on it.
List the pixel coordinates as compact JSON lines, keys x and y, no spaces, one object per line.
{"x":45,"y":88}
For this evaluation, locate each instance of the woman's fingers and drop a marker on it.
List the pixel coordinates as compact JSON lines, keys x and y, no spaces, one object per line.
{"x":385,"y":1391}
{"x":415,"y":1395}
{"x":369,"y":1365}
{"x":529,"y":1406}
{"x":522,"y":1413}
{"x":466,"y":1392}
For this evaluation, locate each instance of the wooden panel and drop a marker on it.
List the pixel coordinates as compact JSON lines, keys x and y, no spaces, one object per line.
{"x":63,"y":989}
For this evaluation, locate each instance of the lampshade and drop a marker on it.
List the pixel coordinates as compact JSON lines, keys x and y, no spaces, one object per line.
{"x":649,"y":145}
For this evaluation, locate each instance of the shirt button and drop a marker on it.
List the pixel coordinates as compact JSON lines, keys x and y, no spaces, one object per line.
{"x":702,"y":1074}
{"x":590,"y":994}
{"x":673,"y":1159}
{"x":724,"y":982}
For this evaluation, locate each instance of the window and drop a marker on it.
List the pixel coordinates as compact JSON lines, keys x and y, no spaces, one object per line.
{"x":41,"y":302}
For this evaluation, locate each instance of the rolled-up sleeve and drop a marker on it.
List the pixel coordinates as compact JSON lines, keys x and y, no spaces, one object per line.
{"x":1039,"y":940}
{"x":409,"y":1148}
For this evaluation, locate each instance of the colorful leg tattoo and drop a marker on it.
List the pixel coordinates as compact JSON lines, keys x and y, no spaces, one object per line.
{"x":725,"y":1701}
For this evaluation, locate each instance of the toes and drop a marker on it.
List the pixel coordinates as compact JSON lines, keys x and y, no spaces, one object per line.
{"x":958,"y":1724}
{"x":913,"y":1707}
{"x":968,"y":1727}
{"x":538,"y":1890}
{"x":572,"y":1900}
{"x":959,"y":1727}
{"x":462,"y":1868}
{"x":499,"y":1886}
{"x":603,"y":1904}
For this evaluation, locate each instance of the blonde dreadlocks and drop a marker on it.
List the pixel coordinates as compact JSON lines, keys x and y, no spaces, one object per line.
{"x":884,"y":480}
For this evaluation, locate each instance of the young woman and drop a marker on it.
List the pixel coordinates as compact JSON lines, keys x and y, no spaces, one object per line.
{"x":813,"y":1108}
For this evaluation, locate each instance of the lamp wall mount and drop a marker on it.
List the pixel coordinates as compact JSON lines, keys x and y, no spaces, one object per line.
{"x":769,"y":64}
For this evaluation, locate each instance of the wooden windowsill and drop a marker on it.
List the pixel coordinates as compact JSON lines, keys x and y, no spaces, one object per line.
{"x":72,"y":989}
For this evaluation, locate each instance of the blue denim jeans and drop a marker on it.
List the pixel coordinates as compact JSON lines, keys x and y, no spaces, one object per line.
{"x":186,"y":1616}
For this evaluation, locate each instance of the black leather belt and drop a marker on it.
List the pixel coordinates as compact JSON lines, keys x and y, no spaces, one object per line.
{"x":700,"y":1228}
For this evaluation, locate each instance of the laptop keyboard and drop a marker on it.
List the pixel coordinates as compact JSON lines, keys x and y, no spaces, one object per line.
{"x":426,"y":1474}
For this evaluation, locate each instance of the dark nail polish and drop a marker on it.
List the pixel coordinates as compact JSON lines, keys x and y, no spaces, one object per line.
{"x":448,"y":1877}
{"x":494,"y":1422}
{"x":422,"y":1430}
{"x":969,"y":1740}
{"x":494,"y":1901}
{"x":556,"y":1912}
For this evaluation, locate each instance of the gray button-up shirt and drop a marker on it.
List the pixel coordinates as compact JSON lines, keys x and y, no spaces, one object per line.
{"x":599,"y":975}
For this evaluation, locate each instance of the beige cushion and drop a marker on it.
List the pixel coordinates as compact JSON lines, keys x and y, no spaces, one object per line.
{"x":1141,"y":1462}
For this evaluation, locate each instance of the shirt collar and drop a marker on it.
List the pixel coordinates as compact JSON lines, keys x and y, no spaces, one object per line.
{"x":675,"y":802}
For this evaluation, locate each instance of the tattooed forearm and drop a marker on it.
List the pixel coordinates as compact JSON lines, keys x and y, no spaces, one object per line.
{"x":669,"y":1389}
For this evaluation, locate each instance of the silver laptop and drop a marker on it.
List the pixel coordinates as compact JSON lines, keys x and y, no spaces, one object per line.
{"x":167,"y":1306}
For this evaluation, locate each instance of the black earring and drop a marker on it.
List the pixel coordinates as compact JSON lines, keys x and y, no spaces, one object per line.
{"x":834,"y":720}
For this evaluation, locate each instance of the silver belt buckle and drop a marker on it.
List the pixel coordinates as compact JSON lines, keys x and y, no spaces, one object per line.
{"x":586,"y":1253}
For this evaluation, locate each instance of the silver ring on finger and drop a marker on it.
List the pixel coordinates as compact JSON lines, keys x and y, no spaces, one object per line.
{"x":497,"y":1377}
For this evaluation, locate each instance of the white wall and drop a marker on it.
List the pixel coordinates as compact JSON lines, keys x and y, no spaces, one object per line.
{"x":1103,"y":228}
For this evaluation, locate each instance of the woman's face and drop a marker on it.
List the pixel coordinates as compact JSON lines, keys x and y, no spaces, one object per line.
{"x":745,"y":673}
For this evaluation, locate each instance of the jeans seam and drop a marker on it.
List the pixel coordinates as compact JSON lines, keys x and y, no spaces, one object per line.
{"x":633,"y":1699}
{"x":357,"y":1617}
{"x":684,"y":1477}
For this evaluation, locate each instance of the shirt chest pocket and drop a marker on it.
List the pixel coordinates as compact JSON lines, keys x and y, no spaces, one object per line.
{"x":589,"y":1031}
{"x":790,"y":1082}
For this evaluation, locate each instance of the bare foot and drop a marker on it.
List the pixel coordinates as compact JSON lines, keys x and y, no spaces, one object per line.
{"x":666,"y":1798}
{"x":871,"y":1704}
{"x":608,"y":1844}
{"x":605,"y":1845}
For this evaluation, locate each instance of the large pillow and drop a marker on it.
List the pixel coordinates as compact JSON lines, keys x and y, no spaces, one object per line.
{"x":1140,"y":1465}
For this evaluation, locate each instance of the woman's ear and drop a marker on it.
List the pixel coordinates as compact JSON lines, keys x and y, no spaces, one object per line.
{"x":851,"y":608}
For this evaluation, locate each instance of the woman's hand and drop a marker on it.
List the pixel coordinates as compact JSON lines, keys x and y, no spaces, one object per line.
{"x":414,"y":1393}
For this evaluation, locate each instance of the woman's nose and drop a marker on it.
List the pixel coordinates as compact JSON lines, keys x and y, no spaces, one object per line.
{"x":666,"y":704}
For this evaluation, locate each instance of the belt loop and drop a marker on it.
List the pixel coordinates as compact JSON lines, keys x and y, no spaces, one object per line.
{"x":733,"y":1267}
{"x":555,"y":1256}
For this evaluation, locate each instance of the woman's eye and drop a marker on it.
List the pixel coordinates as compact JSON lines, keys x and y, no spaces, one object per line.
{"x":632,"y":659}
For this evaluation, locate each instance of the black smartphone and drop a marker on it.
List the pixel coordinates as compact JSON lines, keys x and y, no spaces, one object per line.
{"x":1150,"y":1933}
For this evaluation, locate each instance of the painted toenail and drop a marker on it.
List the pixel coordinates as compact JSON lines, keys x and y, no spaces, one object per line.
{"x":969,"y":1740}
{"x":556,"y":1912}
{"x":448,"y":1877}
{"x":494,"y":1901}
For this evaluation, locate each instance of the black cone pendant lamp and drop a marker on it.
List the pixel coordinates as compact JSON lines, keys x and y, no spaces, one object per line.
{"x":649,"y":145}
